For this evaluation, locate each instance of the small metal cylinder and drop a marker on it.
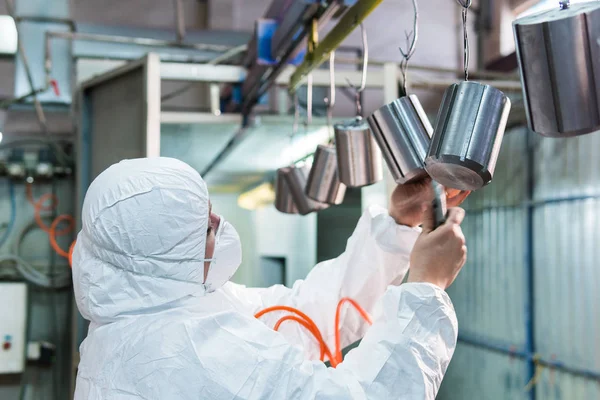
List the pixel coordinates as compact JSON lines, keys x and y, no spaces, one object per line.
{"x":559,"y":61}
{"x":359,"y":158}
{"x":467,"y":136}
{"x":296,"y":179}
{"x":403,"y":133}
{"x":283,"y":196}
{"x":324,"y":183}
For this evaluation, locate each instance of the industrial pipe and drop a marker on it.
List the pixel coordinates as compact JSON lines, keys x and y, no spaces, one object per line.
{"x":123,"y":40}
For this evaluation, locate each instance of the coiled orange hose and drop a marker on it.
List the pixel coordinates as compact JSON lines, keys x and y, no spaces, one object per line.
{"x":362,"y":312}
{"x":40,"y":206}
{"x":324,"y":349}
{"x":309,"y":324}
{"x":53,"y":233}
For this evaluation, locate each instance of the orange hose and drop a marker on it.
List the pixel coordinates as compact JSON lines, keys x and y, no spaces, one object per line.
{"x":53,"y":204}
{"x":309,"y":324}
{"x":314,"y":329}
{"x":71,"y":248}
{"x":52,"y":233}
{"x":288,"y":309}
{"x":39,"y":206}
{"x":363,"y":313}
{"x":324,"y":350}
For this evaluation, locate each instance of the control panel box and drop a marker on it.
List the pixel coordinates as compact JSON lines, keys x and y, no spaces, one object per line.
{"x":13,"y":325}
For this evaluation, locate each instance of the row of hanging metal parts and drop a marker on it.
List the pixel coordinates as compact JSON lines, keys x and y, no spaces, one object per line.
{"x":460,"y":152}
{"x":350,"y":159}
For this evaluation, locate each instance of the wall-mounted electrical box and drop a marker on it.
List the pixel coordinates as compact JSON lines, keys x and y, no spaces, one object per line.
{"x":13,"y":322}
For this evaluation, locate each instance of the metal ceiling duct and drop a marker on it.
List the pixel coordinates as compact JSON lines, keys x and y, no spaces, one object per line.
{"x":324,"y":183}
{"x":359,"y":158}
{"x":296,"y":177}
{"x":467,"y":136}
{"x":403,"y":133}
{"x":283,"y":196}
{"x":559,"y":60}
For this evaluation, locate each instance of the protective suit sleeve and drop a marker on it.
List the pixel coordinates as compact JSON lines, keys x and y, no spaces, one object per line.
{"x":403,"y":356}
{"x":376,"y":255}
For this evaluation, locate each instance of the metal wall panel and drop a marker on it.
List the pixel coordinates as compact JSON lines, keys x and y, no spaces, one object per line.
{"x":509,"y":183}
{"x":555,"y":385}
{"x":567,"y":167}
{"x":567,"y":278}
{"x":476,"y":374}
{"x":489,"y":293}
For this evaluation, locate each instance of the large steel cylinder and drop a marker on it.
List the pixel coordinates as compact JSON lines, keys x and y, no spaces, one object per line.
{"x":296,"y":179}
{"x":467,"y":136}
{"x":559,"y":60}
{"x":359,"y":158}
{"x":283,"y":196}
{"x":324,"y":183}
{"x":403,"y":133}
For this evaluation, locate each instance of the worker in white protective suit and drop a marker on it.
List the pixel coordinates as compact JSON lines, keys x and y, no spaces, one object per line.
{"x":151,"y":271}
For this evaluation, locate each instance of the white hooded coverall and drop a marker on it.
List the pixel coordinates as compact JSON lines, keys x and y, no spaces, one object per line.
{"x":156,"y":334}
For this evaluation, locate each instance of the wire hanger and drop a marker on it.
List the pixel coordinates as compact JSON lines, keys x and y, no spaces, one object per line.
{"x":363,"y":81}
{"x":465,"y":4}
{"x":411,"y":41}
{"x":330,"y":100}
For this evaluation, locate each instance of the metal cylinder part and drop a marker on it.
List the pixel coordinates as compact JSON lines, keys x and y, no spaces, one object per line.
{"x":403,"y":133}
{"x":324,"y":183}
{"x":283,"y":196}
{"x":559,"y":59}
{"x":359,"y":158}
{"x":467,"y":136}
{"x":296,"y":180}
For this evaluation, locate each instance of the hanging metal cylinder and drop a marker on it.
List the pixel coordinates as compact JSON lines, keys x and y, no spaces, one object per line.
{"x":403,"y":133}
{"x":359,"y":158}
{"x":324,"y":183}
{"x":284,"y":201}
{"x":559,"y":61}
{"x":467,"y":136}
{"x":296,"y":179}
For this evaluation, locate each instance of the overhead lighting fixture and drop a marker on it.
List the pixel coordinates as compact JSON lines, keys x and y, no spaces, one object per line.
{"x":261,"y":196}
{"x":8,"y":35}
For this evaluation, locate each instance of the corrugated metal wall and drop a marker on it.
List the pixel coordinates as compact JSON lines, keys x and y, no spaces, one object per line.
{"x":528,"y":299}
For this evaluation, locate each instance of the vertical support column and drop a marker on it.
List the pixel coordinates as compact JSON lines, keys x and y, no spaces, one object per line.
{"x":529,"y":260}
{"x":215,"y":99}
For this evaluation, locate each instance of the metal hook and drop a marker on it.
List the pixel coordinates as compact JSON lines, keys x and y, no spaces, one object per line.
{"x":365,"y":63}
{"x":330,"y":101}
{"x":296,"y":116}
{"x":465,"y":4}
{"x":411,"y":45}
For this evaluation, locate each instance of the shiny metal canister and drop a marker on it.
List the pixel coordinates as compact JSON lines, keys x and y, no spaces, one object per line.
{"x":403,"y":133}
{"x":359,"y":158}
{"x":283,"y":195}
{"x":296,"y":180}
{"x":558,"y":51}
{"x":324,"y":183}
{"x":467,"y":136}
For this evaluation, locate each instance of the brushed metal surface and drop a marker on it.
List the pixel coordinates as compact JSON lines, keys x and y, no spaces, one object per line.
{"x":324,"y":183}
{"x":467,"y":136}
{"x":359,"y":158}
{"x":283,"y":196}
{"x":559,"y":61}
{"x":296,"y":178}
{"x":403,"y":133}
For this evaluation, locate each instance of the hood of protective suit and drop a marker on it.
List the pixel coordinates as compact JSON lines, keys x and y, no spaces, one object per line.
{"x":143,"y":237}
